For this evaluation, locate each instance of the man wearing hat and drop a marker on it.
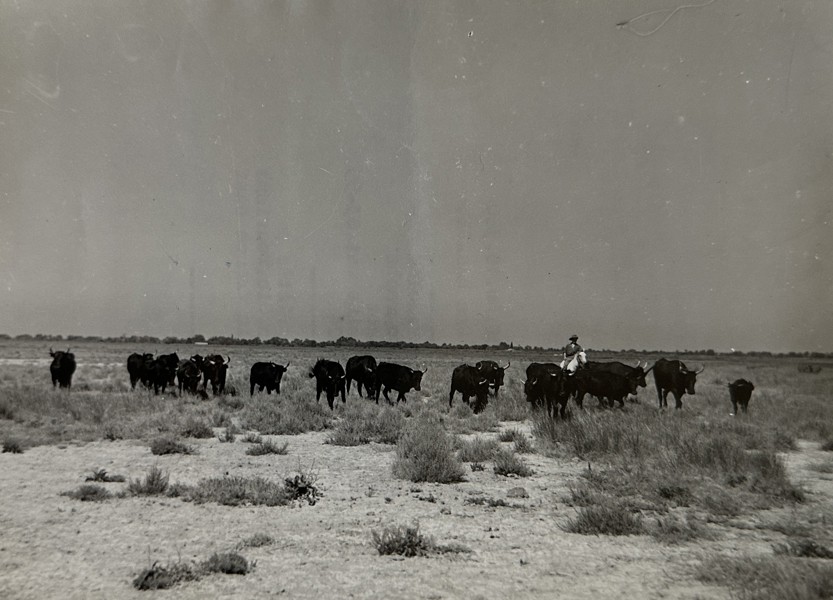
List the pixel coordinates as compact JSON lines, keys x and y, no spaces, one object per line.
{"x":573,"y":355}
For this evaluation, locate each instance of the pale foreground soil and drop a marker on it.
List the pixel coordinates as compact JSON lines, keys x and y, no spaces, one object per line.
{"x":52,"y":546}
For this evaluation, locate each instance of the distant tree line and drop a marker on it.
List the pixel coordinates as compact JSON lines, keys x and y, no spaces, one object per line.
{"x":343,"y":341}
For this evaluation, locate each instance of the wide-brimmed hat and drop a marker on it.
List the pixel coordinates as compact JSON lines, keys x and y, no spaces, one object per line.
{"x":573,"y":337}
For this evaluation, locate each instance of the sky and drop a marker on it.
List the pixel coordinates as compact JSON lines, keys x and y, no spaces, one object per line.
{"x":643,"y":173}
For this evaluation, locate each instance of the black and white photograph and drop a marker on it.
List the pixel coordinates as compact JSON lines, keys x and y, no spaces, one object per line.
{"x":416,"y":299}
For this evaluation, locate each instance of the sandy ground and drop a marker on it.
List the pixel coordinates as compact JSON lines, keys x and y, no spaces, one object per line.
{"x":55,"y":547}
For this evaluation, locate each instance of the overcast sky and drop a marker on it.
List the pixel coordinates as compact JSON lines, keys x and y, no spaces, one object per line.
{"x":448,"y":171}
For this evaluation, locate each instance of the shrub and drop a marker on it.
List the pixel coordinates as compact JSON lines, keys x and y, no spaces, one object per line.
{"x":12,"y":446}
{"x":101,"y":475}
{"x":253,"y":438}
{"x":6,"y":410}
{"x":425,"y":452}
{"x":155,"y":483}
{"x":402,"y":540}
{"x":267,"y":447}
{"x":89,"y":493}
{"x":511,"y":435}
{"x":477,"y":449}
{"x":302,"y":487}
{"x":257,"y":540}
{"x":168,"y":445}
{"x":196,"y":428}
{"x":236,"y":491}
{"x":365,"y":423}
{"x":677,"y":530}
{"x":160,"y":577}
{"x":523,"y":445}
{"x":229,"y":563}
{"x":291,"y":415}
{"x":827,"y":446}
{"x":507,"y":463}
{"x":803,"y":548}
{"x":769,"y":578}
{"x":604,"y":519}
{"x":408,"y":541}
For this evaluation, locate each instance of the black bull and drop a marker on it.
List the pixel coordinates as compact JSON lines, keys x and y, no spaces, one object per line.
{"x":390,"y":376}
{"x":329,"y":378}
{"x":545,"y":388}
{"x":601,"y":384}
{"x":62,"y":368}
{"x":673,"y":376}
{"x":740,"y":392}
{"x":266,"y":375}
{"x":362,"y":370}
{"x":469,"y":381}
{"x":493,"y":373}
{"x":635,"y":374}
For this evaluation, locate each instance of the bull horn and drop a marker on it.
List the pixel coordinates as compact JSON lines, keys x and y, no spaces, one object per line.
{"x":287,"y":365}
{"x":638,"y":364}
{"x":228,"y":359}
{"x":425,"y":371}
{"x":700,"y":370}
{"x":482,"y":381}
{"x":509,"y":364}
{"x":652,"y":366}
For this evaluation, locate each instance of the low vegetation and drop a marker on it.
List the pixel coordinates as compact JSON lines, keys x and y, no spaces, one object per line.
{"x":12,"y":446}
{"x":155,"y":483}
{"x":162,"y":577}
{"x":769,"y":577}
{"x":507,"y":463}
{"x":267,"y":447}
{"x":169,"y":445}
{"x":406,"y":540}
{"x":363,"y":423}
{"x":89,"y":493}
{"x":425,"y":452}
{"x":234,"y":490}
{"x":103,"y":476}
{"x":477,"y":449}
{"x":608,"y":518}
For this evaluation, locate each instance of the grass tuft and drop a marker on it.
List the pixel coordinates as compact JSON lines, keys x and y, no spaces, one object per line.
{"x":89,"y":493}
{"x":476,"y":449}
{"x":409,"y":542}
{"x":155,"y":483}
{"x":169,"y":445}
{"x":507,"y":463}
{"x":425,"y":452}
{"x":196,"y":428}
{"x":162,"y":577}
{"x":102,"y":475}
{"x":803,"y":548}
{"x":229,"y":563}
{"x":12,"y":446}
{"x":608,"y":518}
{"x":267,"y":447}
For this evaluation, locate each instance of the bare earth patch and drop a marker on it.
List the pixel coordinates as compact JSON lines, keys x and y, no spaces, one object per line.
{"x":56,"y":547}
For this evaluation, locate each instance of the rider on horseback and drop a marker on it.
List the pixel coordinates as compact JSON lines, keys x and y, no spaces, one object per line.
{"x":574,"y":355}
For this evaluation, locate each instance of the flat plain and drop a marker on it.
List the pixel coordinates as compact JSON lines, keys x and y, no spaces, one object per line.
{"x":697,"y":503}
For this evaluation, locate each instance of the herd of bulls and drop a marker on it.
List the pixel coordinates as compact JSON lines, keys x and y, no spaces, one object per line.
{"x":547,"y":385}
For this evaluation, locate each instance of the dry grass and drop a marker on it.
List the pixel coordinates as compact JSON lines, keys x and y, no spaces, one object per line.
{"x":507,"y":463}
{"x":769,"y":578}
{"x":425,"y":452}
{"x":267,"y":447}
{"x":409,"y":542}
{"x":89,"y":493}
{"x":155,"y":483}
